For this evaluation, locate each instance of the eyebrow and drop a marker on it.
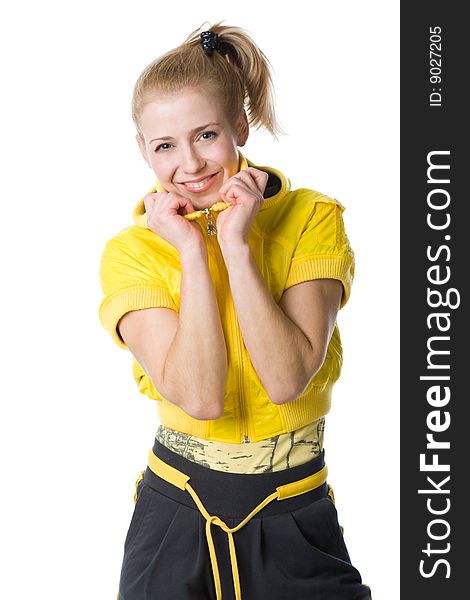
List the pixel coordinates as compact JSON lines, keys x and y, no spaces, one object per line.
{"x":193,"y":131}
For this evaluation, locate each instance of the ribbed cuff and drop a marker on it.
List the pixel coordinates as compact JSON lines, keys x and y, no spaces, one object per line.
{"x":323,"y":267}
{"x":133,"y":298}
{"x":311,"y":406}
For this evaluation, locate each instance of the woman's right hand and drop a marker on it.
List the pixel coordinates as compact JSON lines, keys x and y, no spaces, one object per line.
{"x":165,"y":212}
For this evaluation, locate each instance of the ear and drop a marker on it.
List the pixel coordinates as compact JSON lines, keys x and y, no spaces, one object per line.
{"x":143,"y":150}
{"x":243,"y":130}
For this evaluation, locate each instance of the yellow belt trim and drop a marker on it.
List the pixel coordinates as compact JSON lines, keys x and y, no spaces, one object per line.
{"x":180,"y":480}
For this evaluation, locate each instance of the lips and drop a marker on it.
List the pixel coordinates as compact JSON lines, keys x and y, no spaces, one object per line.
{"x":199,"y":185}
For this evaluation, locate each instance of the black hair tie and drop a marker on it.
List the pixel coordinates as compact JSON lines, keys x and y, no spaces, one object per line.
{"x":210,"y":42}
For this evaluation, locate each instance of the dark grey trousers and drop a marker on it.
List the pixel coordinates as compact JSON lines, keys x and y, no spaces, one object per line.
{"x":292,"y":549}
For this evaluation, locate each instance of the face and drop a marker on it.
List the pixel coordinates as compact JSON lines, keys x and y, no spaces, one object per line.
{"x":190,"y":145}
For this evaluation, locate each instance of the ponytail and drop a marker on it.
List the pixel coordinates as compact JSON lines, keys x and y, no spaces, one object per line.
{"x":240,"y":76}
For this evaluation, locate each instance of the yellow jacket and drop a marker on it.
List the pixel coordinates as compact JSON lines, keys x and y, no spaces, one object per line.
{"x":297,"y":236}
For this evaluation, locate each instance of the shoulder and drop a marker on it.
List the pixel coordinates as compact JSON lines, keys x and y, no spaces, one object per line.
{"x":133,"y":275}
{"x":282,"y":200}
{"x":139,"y":243}
{"x":304,"y":203}
{"x":300,"y":210}
{"x":316,"y":211}
{"x":135,"y":256}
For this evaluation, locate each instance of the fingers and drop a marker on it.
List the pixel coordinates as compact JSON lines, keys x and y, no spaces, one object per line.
{"x":251,"y":179}
{"x":242,"y":179}
{"x":260,"y":178}
{"x":235,"y":191}
{"x":165,"y":217}
{"x":168,"y":202}
{"x":149,"y":202}
{"x":185,"y":205}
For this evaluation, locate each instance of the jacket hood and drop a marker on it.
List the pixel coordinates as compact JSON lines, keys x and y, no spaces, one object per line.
{"x":276,"y":188}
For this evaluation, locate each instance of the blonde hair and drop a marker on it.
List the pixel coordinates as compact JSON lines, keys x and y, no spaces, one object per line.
{"x":241,"y":79}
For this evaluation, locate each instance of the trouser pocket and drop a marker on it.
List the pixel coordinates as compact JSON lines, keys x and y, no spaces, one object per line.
{"x":138,"y":485}
{"x":141,"y":501}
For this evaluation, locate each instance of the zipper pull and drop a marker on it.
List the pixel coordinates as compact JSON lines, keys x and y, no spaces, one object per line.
{"x":246,"y":439}
{"x":211,"y":230}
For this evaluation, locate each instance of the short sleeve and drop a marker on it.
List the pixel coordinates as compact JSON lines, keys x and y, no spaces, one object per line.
{"x":323,"y":250}
{"x":131,"y":279}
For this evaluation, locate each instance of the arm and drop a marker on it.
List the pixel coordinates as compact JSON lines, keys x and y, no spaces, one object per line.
{"x":183,"y":354}
{"x":287,"y":343}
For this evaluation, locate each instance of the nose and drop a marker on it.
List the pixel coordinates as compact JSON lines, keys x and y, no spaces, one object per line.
{"x":192,"y":162}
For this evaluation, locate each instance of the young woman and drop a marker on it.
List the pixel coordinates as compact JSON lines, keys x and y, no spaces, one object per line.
{"x":226,"y":291}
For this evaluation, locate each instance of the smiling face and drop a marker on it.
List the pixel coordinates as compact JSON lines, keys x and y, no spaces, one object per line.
{"x":190,"y":144}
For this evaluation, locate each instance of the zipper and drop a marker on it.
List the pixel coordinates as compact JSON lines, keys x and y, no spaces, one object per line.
{"x":241,"y":397}
{"x":210,"y":228}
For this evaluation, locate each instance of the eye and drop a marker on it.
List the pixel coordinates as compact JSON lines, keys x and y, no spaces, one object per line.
{"x":161,"y":146}
{"x":207,"y":135}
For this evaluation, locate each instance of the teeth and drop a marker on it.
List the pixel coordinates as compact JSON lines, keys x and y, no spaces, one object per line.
{"x":199,"y":185}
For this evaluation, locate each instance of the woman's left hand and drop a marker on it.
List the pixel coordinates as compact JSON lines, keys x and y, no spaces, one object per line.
{"x":245,"y":192}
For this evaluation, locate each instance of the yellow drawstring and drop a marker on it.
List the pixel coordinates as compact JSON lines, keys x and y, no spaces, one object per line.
{"x":180,"y":480}
{"x":211,"y":228}
{"x":229,"y":531}
{"x":217,"y":207}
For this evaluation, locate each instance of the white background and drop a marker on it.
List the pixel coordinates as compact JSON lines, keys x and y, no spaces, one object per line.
{"x":75,"y":431}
